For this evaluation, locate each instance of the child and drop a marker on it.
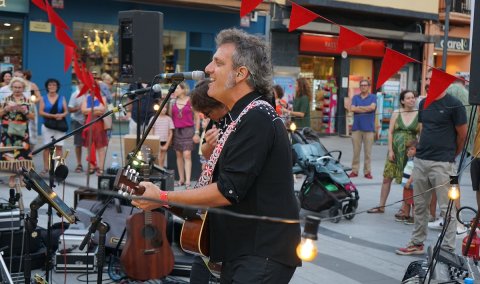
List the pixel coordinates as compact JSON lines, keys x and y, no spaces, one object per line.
{"x":163,"y":127}
{"x":407,"y":205}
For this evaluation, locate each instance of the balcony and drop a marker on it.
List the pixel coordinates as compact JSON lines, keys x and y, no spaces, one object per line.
{"x":459,"y":12}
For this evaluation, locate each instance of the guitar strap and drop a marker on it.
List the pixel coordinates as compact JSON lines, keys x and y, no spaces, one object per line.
{"x":207,"y":173}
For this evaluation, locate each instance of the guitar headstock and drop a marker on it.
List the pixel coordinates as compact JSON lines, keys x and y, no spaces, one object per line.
{"x":126,"y":182}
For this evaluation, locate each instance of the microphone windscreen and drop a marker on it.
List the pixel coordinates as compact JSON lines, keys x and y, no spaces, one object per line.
{"x":61,"y":173}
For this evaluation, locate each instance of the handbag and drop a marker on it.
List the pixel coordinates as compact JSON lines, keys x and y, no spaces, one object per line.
{"x":60,"y":125}
{"x":17,"y":129}
{"x":115,"y":216}
{"x":52,"y":123}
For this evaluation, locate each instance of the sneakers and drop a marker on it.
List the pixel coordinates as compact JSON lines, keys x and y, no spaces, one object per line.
{"x":411,"y":249}
{"x":409,"y":221}
{"x":436,"y":225}
{"x":353,"y":175}
{"x":400,"y":218}
{"x":368,"y":176}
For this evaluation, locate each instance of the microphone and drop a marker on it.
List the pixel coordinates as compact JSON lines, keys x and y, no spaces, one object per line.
{"x":61,"y":170}
{"x":156,"y":88}
{"x":194,"y":75}
{"x":12,"y":200}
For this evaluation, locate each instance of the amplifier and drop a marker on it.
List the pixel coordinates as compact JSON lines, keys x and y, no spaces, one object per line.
{"x":10,"y":220}
{"x":76,"y":262}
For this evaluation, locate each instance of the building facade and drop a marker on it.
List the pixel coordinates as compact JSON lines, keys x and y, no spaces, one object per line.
{"x":27,"y":40}
{"x":311,"y":51}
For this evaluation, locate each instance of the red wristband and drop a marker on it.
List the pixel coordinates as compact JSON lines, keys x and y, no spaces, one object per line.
{"x":164,"y":196}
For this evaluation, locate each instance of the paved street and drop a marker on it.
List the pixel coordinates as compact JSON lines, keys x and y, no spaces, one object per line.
{"x":350,"y":252}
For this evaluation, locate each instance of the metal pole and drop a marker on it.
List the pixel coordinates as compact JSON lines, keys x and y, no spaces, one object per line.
{"x":448,"y":4}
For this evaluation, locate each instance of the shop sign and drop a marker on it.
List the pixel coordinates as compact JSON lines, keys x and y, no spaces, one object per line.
{"x":453,"y":43}
{"x":42,"y":27}
{"x":328,"y":45}
{"x":19,"y":6}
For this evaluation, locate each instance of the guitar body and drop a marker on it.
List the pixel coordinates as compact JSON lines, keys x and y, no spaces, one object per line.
{"x":147,"y":253}
{"x":195,"y":236}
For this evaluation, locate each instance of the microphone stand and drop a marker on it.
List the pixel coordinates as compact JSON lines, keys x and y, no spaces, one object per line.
{"x":172,"y":88}
{"x":51,"y":147}
{"x":30,"y":226}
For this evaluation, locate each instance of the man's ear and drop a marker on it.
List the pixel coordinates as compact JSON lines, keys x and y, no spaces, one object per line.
{"x":242,"y":73}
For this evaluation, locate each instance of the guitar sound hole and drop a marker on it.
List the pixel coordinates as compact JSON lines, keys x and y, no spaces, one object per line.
{"x":149,"y":232}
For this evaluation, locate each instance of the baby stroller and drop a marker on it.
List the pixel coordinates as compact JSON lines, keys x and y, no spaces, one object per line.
{"x":326,"y":186}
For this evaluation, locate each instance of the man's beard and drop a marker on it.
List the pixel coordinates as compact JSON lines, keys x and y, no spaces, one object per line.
{"x":230,"y":81}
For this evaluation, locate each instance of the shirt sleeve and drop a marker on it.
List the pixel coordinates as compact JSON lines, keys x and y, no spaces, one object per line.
{"x":420,"y":110}
{"x":459,"y":114}
{"x":244,"y":155}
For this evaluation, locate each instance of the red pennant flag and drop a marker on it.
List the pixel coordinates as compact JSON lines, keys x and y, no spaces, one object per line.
{"x":76,"y":68}
{"x":83,"y":91}
{"x":348,"y":39}
{"x":69,"y":51}
{"x":64,"y":38}
{"x":40,"y":4}
{"x":392,"y":62}
{"x":439,"y":82}
{"x":94,"y":88}
{"x":300,"y":16}
{"x":54,"y":18}
{"x":248,"y":6}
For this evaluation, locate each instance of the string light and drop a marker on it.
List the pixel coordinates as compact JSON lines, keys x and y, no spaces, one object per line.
{"x":453,"y":192}
{"x":307,"y":248}
{"x":293,"y":127}
{"x":33,"y":98}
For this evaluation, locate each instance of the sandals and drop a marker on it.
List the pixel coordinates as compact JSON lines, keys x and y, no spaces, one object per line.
{"x":44,"y":173}
{"x":79,"y":169}
{"x":399,"y":214}
{"x":92,"y":170}
{"x":188,"y":186}
{"x":99,"y":172}
{"x":376,"y":210}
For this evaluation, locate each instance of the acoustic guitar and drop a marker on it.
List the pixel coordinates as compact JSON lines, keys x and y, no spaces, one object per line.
{"x":147,"y":253}
{"x":194,"y":237}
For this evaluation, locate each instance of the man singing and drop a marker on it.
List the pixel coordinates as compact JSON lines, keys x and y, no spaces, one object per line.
{"x":253,"y":174}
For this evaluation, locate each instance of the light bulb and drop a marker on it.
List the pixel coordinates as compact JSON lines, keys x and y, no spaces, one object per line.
{"x":453,"y":192}
{"x":293,"y":126}
{"x":307,"y":249}
{"x":156,"y":107}
{"x":33,"y":98}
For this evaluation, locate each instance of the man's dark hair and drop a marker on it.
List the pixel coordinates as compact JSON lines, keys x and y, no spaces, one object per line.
{"x":200,"y":100}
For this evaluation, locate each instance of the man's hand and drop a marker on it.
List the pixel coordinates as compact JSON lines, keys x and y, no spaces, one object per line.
{"x":151,"y":192}
{"x":211,"y":136}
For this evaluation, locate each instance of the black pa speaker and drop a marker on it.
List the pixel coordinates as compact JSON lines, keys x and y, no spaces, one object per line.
{"x":474,"y":87}
{"x":140,"y":45}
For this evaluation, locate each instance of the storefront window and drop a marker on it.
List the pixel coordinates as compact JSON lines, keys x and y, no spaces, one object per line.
{"x":11,"y":44}
{"x":174,"y":46}
{"x":98,"y":47}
